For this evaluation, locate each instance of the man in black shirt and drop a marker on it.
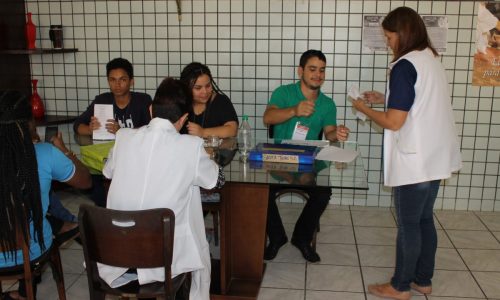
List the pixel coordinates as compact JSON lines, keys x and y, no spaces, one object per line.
{"x":130,"y":109}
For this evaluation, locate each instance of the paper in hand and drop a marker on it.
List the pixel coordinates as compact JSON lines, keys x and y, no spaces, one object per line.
{"x":103,"y":113}
{"x":354,"y":93}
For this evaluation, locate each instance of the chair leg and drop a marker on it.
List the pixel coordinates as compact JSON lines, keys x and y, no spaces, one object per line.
{"x":215,"y":217}
{"x":30,"y":294}
{"x":57,"y":272}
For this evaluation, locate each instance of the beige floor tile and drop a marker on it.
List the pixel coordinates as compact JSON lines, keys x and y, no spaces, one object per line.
{"x":413,"y":297}
{"x":454,"y":298}
{"x":373,"y":218}
{"x":491,"y":221}
{"x":289,"y":253}
{"x":375,"y":235}
{"x":338,"y":207}
{"x":455,"y":284}
{"x":489,"y":283}
{"x":273,"y":294}
{"x":443,"y":240}
{"x":47,"y":289}
{"x":470,"y":239}
{"x":336,"y":234}
{"x":496,"y":234}
{"x":72,"y":261}
{"x":325,"y":295}
{"x":481,"y":260}
{"x":284,"y":275}
{"x":459,"y":220}
{"x":448,"y":259}
{"x":338,"y":254}
{"x":374,"y":275}
{"x":333,"y":278}
{"x":377,"y":256}
{"x":369,"y":208}
{"x":336,"y":217}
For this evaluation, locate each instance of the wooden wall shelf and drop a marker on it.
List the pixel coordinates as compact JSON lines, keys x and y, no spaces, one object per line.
{"x":38,"y":51}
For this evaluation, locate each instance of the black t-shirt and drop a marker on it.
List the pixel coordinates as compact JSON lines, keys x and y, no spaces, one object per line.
{"x":218,"y":112}
{"x":402,"y":86}
{"x":134,"y":115}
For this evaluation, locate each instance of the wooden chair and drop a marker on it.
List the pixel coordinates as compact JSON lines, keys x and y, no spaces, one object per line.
{"x":29,"y":270}
{"x":301,"y":193}
{"x":129,"y":239}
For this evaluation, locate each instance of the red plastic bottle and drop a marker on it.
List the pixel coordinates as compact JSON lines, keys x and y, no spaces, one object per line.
{"x":30,"y":33}
{"x":37,"y":108}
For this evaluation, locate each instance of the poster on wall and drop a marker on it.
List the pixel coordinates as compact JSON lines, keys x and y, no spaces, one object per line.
{"x":487,"y":55}
{"x":374,"y":39}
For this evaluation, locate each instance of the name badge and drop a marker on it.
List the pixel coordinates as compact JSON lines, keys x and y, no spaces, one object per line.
{"x":300,"y":132}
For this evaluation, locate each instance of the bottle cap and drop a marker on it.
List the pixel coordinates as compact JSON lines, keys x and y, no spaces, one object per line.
{"x":244,"y":118}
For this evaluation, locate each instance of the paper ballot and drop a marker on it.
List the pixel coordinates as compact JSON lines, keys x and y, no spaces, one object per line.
{"x":333,"y":153}
{"x":353,"y":92}
{"x":103,"y":113}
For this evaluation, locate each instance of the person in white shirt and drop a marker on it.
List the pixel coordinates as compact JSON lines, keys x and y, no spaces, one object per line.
{"x":420,"y":148}
{"x":155,"y":166}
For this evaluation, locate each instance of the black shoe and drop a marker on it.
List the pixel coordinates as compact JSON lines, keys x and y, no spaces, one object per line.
{"x":273,"y":248}
{"x":306,"y":250}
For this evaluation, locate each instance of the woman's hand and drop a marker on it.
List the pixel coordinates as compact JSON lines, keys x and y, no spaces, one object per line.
{"x":374,"y":97}
{"x":195,"y":129}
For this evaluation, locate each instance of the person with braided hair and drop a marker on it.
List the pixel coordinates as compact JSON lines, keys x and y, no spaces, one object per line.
{"x":25,"y":178}
{"x":213,"y":113}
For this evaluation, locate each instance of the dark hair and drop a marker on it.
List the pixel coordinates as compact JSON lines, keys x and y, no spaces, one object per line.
{"x":411,"y":31}
{"x":192,"y":71}
{"x":120,"y":63}
{"x":20,"y":199}
{"x":172,"y":100}
{"x":309,"y":54}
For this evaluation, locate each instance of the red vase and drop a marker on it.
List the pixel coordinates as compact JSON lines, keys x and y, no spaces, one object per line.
{"x":37,"y":108}
{"x":30,"y":32}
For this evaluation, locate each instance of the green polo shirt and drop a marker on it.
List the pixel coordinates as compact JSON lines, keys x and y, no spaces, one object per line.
{"x":325,"y":112}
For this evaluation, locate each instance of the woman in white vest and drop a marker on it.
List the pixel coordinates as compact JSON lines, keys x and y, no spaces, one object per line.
{"x":420,"y":147}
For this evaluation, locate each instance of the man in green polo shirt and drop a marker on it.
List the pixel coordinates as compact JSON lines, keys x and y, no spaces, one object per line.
{"x":300,"y":111}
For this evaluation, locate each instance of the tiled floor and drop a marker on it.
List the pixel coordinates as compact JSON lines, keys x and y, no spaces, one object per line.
{"x":356,"y":245}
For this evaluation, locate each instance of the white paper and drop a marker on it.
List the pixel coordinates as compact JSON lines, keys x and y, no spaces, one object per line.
{"x":333,"y":153}
{"x":354,"y":93}
{"x":103,"y":113}
{"x":316,"y":143}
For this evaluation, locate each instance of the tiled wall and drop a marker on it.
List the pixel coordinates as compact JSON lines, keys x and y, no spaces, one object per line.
{"x":252,"y":47}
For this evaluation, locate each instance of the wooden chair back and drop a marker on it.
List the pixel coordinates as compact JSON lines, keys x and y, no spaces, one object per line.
{"x":29,"y":269}
{"x":128,"y":239}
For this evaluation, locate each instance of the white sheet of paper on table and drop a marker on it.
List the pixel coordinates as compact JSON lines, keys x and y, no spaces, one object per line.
{"x":354,"y":93}
{"x":103,"y":112}
{"x":332,"y":153}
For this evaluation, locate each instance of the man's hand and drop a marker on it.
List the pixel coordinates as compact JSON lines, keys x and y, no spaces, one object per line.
{"x":94,"y":123}
{"x":373,"y":97}
{"x":112,"y":126}
{"x":195,"y":129}
{"x":342,"y":133}
{"x":304,"y":108}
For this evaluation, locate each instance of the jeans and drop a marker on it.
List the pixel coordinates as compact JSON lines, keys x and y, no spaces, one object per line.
{"x":319,"y":198}
{"x":57,"y":210}
{"x":416,"y":239}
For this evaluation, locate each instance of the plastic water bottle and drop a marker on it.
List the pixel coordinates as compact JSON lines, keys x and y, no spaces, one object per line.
{"x":244,"y":138}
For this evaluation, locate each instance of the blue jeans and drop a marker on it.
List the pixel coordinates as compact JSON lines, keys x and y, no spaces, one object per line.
{"x":417,"y":239}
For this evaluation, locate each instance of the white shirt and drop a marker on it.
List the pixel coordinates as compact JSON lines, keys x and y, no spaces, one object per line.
{"x":153,"y":167}
{"x":426,"y":147}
